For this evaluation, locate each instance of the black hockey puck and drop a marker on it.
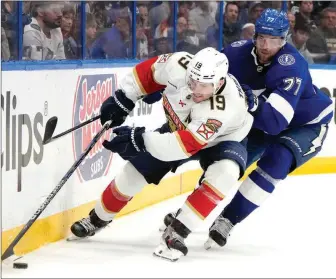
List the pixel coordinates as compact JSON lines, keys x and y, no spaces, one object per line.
{"x":20,"y":265}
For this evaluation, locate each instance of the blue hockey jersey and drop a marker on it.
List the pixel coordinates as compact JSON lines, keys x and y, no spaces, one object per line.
{"x":286,"y":93}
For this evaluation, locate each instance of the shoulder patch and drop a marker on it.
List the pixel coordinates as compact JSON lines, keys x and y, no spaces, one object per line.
{"x":164,"y":58}
{"x":286,"y":60}
{"x":213,"y":124}
{"x":239,"y":43}
{"x":36,"y":27}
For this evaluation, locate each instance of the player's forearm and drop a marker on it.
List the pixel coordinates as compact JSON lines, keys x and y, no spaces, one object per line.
{"x":164,"y":147}
{"x":269,"y":120}
{"x":130,"y":88}
{"x":171,"y":146}
{"x":274,"y":115}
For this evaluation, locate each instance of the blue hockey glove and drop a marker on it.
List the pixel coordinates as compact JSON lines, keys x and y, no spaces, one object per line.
{"x":252,"y":100}
{"x":116,"y":108}
{"x":152,"y":98}
{"x":128,"y":142}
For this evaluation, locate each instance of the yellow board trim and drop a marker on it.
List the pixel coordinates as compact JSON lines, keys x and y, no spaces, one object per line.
{"x":56,"y":227}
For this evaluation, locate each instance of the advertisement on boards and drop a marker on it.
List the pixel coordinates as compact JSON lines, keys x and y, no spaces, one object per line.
{"x":91,"y":92}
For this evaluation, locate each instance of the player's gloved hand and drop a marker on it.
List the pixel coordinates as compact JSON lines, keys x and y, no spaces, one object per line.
{"x":116,"y":108}
{"x":252,"y":100}
{"x":152,"y":98}
{"x":128,"y":142}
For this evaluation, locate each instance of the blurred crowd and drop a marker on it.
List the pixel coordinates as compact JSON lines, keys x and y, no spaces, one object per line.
{"x":53,"y":30}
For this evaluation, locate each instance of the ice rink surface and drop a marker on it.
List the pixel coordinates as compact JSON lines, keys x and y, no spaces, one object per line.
{"x":293,"y":234}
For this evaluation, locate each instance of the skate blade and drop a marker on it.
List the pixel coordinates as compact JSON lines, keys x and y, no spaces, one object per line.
{"x":75,"y":238}
{"x":162,"y":251}
{"x":210,"y":243}
{"x":10,"y":260}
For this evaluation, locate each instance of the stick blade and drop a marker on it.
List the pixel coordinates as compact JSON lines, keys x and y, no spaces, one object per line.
{"x":49,"y":129}
{"x":8,"y":254}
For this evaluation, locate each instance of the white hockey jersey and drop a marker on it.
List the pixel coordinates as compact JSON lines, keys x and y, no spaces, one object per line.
{"x":37,"y":46}
{"x":194,"y":126}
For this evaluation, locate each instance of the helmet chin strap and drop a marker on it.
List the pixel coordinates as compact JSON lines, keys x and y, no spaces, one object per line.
{"x":220,"y":88}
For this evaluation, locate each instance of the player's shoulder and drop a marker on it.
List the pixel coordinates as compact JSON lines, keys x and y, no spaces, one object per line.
{"x":175,"y":58}
{"x":33,"y":26}
{"x":175,"y":65}
{"x":289,"y":58}
{"x":241,"y":47}
{"x":287,"y":62}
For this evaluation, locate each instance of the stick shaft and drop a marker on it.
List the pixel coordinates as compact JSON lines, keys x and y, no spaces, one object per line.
{"x":73,"y":128}
{"x":10,"y":250}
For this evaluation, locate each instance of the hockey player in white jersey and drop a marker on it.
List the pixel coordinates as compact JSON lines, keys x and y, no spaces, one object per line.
{"x":207,"y":120}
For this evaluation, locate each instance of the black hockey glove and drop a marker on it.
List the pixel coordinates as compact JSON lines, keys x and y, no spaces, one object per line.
{"x":128,"y":142}
{"x":116,"y":108}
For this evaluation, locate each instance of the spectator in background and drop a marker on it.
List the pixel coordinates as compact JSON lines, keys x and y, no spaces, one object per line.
{"x":183,"y":9}
{"x":200,"y":19}
{"x":231,"y":27}
{"x":114,"y":43}
{"x":42,"y":38}
{"x":243,"y":12}
{"x":291,"y":19}
{"x":161,"y":46}
{"x":143,"y":25}
{"x":248,"y":31}
{"x":143,"y":16}
{"x":89,"y":7}
{"x":91,"y":31}
{"x":299,"y":37}
{"x":5,"y":53}
{"x":189,"y":42}
{"x":158,"y":14}
{"x":9,"y":21}
{"x":305,"y":9}
{"x":323,"y":40}
{"x":100,"y":15}
{"x":255,"y":11}
{"x":71,"y":49}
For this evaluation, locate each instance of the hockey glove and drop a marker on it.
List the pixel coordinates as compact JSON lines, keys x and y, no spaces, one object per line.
{"x":152,"y":98}
{"x":252,"y":100}
{"x":116,"y":108}
{"x":128,"y":142}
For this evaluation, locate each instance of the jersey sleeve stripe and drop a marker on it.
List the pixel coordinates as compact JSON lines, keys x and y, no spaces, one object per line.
{"x":188,"y":142}
{"x":138,"y":81}
{"x":218,"y":193}
{"x":144,"y":76}
{"x":324,"y":113}
{"x":282,"y":106}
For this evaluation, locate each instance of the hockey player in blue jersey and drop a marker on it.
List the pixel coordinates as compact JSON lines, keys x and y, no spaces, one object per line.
{"x":291,"y":116}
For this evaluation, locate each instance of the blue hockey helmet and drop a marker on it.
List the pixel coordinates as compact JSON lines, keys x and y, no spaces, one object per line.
{"x":272,"y":22}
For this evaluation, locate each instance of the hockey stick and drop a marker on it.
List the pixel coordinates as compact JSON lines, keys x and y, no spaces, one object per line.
{"x":51,"y":126}
{"x":10,"y":250}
